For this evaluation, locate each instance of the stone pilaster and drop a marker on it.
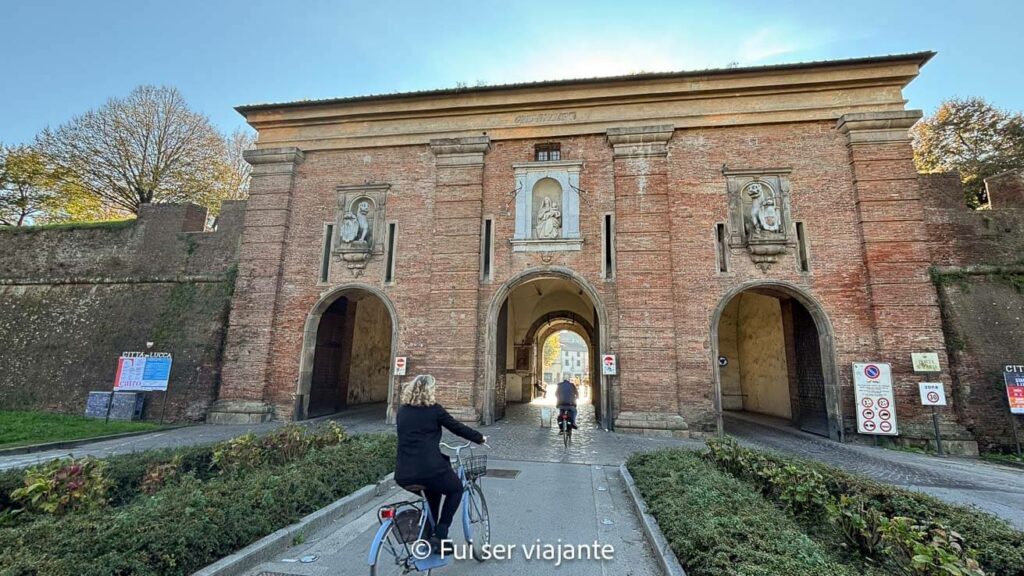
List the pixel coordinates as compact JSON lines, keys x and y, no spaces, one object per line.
{"x":647,"y":343}
{"x":244,"y":376}
{"x":905,"y":303}
{"x":455,"y":271}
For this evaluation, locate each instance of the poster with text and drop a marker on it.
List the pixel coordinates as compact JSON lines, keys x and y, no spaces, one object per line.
{"x":1015,"y":389}
{"x":142,"y":373}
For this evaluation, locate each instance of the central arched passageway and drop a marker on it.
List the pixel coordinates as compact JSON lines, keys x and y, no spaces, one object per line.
{"x":525,"y":313}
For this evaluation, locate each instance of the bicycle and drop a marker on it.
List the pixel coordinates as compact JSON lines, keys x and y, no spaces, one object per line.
{"x":565,"y":426}
{"x":398,"y":546}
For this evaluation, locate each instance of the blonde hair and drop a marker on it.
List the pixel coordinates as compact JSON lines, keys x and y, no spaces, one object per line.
{"x":420,"y":392}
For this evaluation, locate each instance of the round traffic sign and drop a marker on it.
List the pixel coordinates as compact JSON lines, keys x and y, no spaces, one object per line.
{"x":723,"y":361}
{"x":868,"y":413}
{"x":933,"y":397}
{"x":883,"y":402}
{"x":885,"y":426}
{"x":869,"y":426}
{"x":872,"y":371}
{"x":884,"y":414}
{"x":867,"y":402}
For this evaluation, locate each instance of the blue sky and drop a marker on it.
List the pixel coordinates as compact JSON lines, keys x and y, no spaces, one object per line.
{"x":65,"y":57}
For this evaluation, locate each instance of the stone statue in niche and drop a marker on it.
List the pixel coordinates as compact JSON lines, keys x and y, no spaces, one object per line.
{"x":359,"y":215}
{"x":759,"y":213}
{"x":764,"y":211}
{"x":355,"y":228}
{"x":549,"y":220}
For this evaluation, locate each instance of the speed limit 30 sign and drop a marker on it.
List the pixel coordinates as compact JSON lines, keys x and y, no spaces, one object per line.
{"x":932,"y":394}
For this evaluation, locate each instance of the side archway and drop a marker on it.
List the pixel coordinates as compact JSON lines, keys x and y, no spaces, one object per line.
{"x":498,"y":309}
{"x":817,"y":341}
{"x":343,"y":300}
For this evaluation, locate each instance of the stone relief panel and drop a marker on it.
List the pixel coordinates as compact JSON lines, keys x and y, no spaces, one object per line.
{"x":359,"y":220}
{"x":759,"y":213}
{"x":547,"y":201}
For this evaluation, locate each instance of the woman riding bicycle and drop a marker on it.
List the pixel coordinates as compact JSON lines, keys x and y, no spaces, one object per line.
{"x":420,"y":461}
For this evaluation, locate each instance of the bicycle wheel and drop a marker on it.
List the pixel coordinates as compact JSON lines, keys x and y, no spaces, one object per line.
{"x":567,"y":438}
{"x":479,"y":521}
{"x":391,"y":557}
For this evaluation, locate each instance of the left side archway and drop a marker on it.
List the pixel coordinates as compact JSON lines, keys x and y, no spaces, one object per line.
{"x":347,"y":348}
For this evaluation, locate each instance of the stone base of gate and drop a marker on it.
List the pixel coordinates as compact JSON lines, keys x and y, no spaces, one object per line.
{"x":664,"y":424}
{"x":239,"y":412}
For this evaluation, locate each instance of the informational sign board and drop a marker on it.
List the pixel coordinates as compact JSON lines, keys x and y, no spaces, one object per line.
{"x":932,"y":394}
{"x":400,"y":364}
{"x":876,"y":407}
{"x":143,"y":372}
{"x":1014,"y":378}
{"x":123,"y":406}
{"x":925,"y":362}
{"x":608,"y":365}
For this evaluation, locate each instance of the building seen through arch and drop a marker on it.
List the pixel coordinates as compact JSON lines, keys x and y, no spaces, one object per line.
{"x":731,"y":240}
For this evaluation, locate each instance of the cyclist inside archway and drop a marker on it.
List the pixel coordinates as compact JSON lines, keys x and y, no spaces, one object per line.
{"x":566,"y":396}
{"x":420,"y":460}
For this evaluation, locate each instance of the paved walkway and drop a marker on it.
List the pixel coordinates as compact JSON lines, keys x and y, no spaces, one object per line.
{"x":553,"y":503}
{"x":991,"y":487}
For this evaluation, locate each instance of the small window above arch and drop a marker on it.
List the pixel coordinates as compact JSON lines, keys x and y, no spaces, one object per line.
{"x":547,"y":152}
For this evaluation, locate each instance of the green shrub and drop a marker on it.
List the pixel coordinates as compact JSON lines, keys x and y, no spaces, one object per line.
{"x":719,"y":525}
{"x":241,"y":453}
{"x":191,"y":522}
{"x":64,"y":485}
{"x":861,"y":509}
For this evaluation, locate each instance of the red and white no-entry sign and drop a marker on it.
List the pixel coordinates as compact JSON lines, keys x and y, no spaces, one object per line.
{"x":608,"y":365}
{"x":400,"y":363}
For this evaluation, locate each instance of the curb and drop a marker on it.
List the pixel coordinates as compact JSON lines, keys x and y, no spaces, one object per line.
{"x":662,"y":551}
{"x":31,"y":448}
{"x":264,"y":549}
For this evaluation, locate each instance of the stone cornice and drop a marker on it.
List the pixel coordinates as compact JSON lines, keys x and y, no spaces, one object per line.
{"x":878,"y":127}
{"x":640,"y":141}
{"x":466,"y":151}
{"x":822,"y":92}
{"x":269,"y":161}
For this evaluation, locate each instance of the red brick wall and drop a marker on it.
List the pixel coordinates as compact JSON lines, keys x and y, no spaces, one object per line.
{"x":980,"y":252}
{"x":667,"y":285}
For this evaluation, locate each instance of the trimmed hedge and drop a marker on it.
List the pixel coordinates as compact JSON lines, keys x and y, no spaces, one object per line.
{"x":194,"y":520}
{"x":718,"y":525}
{"x":997,"y":546}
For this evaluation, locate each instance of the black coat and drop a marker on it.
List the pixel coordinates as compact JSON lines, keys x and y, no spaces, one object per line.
{"x":419,"y":432}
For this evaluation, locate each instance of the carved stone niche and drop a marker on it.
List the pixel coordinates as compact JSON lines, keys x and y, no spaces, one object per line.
{"x":359,"y":224}
{"x":547,"y":206}
{"x":759,"y":213}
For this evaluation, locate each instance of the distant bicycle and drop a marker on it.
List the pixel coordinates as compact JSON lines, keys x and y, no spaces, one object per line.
{"x":565,"y":426}
{"x":400,"y":546}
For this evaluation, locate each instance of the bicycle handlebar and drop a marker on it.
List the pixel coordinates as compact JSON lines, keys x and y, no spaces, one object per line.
{"x":461,"y":446}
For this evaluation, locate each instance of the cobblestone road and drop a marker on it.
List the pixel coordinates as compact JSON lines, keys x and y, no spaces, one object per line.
{"x":993,"y":488}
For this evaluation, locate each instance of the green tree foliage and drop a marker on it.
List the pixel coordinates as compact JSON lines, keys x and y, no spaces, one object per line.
{"x":146,"y":147}
{"x":971,"y":136}
{"x":552,"y":352}
{"x":26,"y":185}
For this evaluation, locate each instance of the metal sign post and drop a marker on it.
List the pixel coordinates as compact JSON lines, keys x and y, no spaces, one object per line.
{"x":934,"y":394}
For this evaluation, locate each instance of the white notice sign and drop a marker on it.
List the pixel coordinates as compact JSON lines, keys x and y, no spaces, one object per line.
{"x":608,"y":367}
{"x":932,"y":394}
{"x":400,"y":364}
{"x":876,"y":407}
